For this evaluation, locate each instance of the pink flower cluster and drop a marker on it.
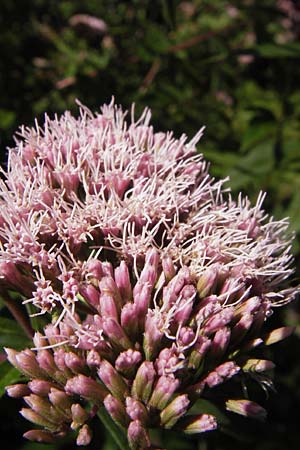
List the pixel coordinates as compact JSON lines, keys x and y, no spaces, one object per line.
{"x":155,"y":282}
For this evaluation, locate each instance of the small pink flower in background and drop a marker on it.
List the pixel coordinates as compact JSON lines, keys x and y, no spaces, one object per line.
{"x":156,"y":283}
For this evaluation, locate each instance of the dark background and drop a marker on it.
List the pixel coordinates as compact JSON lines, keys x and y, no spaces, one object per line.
{"x":230,"y":65}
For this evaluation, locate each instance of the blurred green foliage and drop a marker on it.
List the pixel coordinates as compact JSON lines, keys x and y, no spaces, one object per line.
{"x":230,"y":65}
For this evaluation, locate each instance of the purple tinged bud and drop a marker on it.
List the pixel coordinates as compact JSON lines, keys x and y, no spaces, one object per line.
{"x":17,"y":390}
{"x":40,"y":387}
{"x":39,"y":340}
{"x":246,"y":408}
{"x":143,"y":382}
{"x":167,"y":361}
{"x":61,"y":401}
{"x":79,"y":416}
{"x":183,"y":313}
{"x":198,"y":352}
{"x":138,"y":437}
{"x":86,"y":387}
{"x":220,"y":343}
{"x":136,"y":410}
{"x":142,"y":300}
{"x":127,"y":361}
{"x":116,"y":409}
{"x":278,"y":335}
{"x":186,"y":336}
{"x":114,"y":382}
{"x":249,"y":306}
{"x":43,"y":407}
{"x":75,"y":362}
{"x":108,"y":287}
{"x":173,"y":288}
{"x":168,"y":268}
{"x":25,"y":361}
{"x":258,"y":365}
{"x":123,"y":283}
{"x":59,"y":359}
{"x":108,"y":307}
{"x":107,"y":269}
{"x":84,"y":436}
{"x":250,"y":345}
{"x":218,"y":320}
{"x":37,"y":419}
{"x":93,"y":358}
{"x":241,"y":327}
{"x":46,"y":361}
{"x":152,"y":336}
{"x":207,"y":282}
{"x":116,"y":334}
{"x":200,"y":424}
{"x":94,"y":271}
{"x":163,"y":391}
{"x":42,"y":436}
{"x":129,"y":319}
{"x":221,"y":374}
{"x":174,"y":411}
{"x":91,"y":295}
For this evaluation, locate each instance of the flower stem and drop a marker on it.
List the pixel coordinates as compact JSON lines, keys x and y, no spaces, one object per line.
{"x":116,"y":432}
{"x":19,"y":314}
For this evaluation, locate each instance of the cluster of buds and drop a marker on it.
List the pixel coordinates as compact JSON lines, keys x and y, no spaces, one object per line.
{"x":155,"y":282}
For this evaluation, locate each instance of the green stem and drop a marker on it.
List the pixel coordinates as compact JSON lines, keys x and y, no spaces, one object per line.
{"x":116,"y":432}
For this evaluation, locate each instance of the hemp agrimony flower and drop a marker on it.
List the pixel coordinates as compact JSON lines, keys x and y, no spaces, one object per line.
{"x":155,"y":283}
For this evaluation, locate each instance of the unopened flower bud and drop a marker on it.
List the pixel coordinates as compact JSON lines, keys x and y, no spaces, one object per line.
{"x":278,"y":334}
{"x":246,"y":408}
{"x":79,"y":416}
{"x":17,"y":390}
{"x":200,"y":424}
{"x":116,"y":409}
{"x":174,"y":411}
{"x":84,"y":435}
{"x":136,"y":410}
{"x":163,"y":391}
{"x":42,"y":436}
{"x":258,"y":365}
{"x":112,"y":380}
{"x":86,"y":387}
{"x":127,"y":361}
{"x":138,"y":437}
{"x":143,"y":382}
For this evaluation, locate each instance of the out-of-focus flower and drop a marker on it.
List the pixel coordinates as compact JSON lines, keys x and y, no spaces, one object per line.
{"x":156,"y":281}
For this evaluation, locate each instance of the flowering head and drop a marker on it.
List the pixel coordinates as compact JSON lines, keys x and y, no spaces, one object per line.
{"x":156,"y":283}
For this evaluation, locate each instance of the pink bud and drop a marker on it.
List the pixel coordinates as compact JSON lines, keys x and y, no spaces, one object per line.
{"x":220,"y":343}
{"x":152,"y":335}
{"x":116,"y":410}
{"x":114,"y":382}
{"x":137,"y":436}
{"x":42,"y":436}
{"x":200,"y":424}
{"x":246,"y":408}
{"x":136,"y":410}
{"x":123,"y":283}
{"x":84,"y":436}
{"x":163,"y":391}
{"x":40,"y":387}
{"x":218,"y":320}
{"x":79,"y":416}
{"x":74,"y":362}
{"x":174,"y":411}
{"x":116,"y":334}
{"x":17,"y":390}
{"x":86,"y":387}
{"x":127,"y":361}
{"x":168,"y":268}
{"x":143,"y":382}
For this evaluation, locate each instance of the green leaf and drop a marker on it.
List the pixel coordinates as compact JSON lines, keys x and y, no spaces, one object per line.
{"x":290,"y":50}
{"x":12,"y":335}
{"x":8,"y":375}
